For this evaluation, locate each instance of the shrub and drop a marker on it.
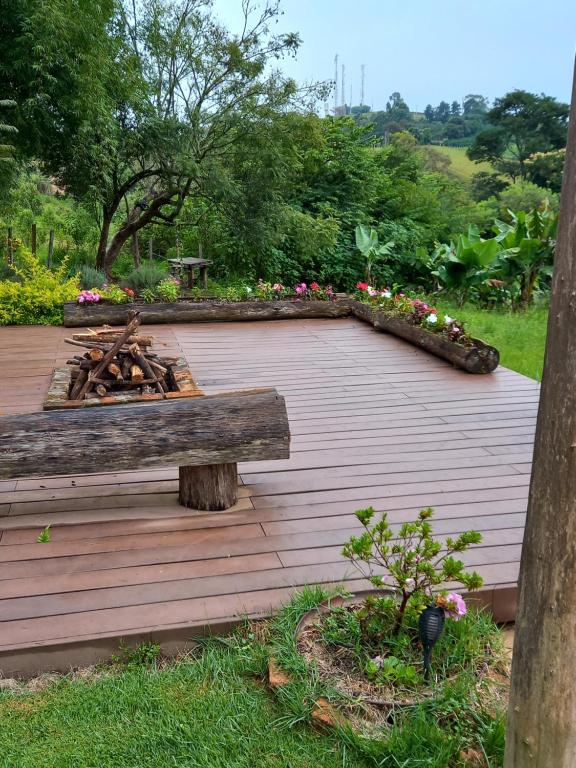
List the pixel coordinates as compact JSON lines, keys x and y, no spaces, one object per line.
{"x":168,"y":289}
{"x":90,"y":277}
{"x":37,"y":299}
{"x":148,"y":275}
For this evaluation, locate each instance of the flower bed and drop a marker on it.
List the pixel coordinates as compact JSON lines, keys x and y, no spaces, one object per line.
{"x":410,"y":319}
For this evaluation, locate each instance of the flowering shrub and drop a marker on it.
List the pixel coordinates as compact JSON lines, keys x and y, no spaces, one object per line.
{"x":271,"y":291}
{"x":116,"y":295}
{"x":38,"y":296}
{"x":411,"y":561}
{"x":88,"y":297}
{"x":168,"y":289}
{"x":415,"y":311}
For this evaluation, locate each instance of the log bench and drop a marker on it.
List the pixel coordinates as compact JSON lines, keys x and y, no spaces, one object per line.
{"x":205,"y":437}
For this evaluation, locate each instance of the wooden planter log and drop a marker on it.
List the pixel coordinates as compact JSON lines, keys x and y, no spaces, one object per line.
{"x":215,"y":431}
{"x":81,"y":315}
{"x":480,"y":358}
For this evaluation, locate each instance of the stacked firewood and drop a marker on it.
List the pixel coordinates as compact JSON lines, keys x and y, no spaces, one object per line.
{"x":117,"y":361}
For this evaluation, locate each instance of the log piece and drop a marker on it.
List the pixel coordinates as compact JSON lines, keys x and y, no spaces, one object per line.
{"x":145,"y":365}
{"x":109,"y":337}
{"x":136,"y":374}
{"x":181,"y":432}
{"x":212,"y":487}
{"x":116,"y":371}
{"x":101,"y":390}
{"x":96,"y":354}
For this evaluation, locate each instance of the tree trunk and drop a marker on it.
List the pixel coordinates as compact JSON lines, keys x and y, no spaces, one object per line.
{"x":103,"y":242}
{"x":542,"y":709}
{"x":136,"y":249}
{"x":212,"y":487}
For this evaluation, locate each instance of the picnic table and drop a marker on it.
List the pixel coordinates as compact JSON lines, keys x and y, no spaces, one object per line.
{"x":190,"y":264}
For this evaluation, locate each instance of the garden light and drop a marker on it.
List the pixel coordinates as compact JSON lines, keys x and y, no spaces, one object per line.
{"x":431,"y":626}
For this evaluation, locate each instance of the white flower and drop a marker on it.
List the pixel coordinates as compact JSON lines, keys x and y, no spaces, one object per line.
{"x":386,"y":294}
{"x":448,"y":320}
{"x":372,"y":291}
{"x":432,"y":319}
{"x":248,"y":290}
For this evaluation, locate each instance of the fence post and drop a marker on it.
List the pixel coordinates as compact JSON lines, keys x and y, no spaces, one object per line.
{"x":50,"y":247}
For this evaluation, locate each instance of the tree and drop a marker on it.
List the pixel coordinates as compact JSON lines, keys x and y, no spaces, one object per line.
{"x":474,"y":104}
{"x":175,"y":91}
{"x":520,"y":124}
{"x":7,"y":149}
{"x":442,"y":112}
{"x":455,"y":109}
{"x":542,"y":708}
{"x":429,"y":113}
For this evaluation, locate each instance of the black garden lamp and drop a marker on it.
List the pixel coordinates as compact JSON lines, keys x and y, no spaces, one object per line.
{"x":430,"y":626}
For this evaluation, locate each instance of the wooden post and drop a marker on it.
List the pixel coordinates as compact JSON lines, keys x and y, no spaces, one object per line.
{"x":542,"y":709}
{"x":211,"y":487}
{"x":34,"y":240}
{"x":10,"y":247}
{"x":204,"y":276}
{"x":50,"y":247}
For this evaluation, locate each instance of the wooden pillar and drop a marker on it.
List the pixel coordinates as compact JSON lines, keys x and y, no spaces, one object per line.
{"x":210,"y":487}
{"x":204,"y":276}
{"x":34,"y":240}
{"x":50,"y":247}
{"x":542,"y":710}
{"x":190,"y":270}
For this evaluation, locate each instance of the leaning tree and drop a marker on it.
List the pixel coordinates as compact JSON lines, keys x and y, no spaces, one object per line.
{"x":158,"y":93}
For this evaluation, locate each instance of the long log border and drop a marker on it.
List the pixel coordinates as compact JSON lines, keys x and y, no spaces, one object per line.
{"x":478,"y":358}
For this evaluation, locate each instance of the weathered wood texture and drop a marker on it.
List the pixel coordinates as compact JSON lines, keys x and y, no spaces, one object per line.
{"x":481,"y":358}
{"x":207,"y":430}
{"x":374,"y":421}
{"x":212,"y":487}
{"x":542,"y":709}
{"x":76,"y":315}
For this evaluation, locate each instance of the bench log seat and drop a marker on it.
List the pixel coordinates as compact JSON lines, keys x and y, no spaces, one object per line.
{"x":205,"y":437}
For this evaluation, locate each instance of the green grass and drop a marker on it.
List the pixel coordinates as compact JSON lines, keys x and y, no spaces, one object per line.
{"x":461,"y":165}
{"x":214,"y":710}
{"x":208,"y":712}
{"x":519,"y":336}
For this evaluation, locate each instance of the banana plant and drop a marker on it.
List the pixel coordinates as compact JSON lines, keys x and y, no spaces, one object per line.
{"x":527,"y":245}
{"x":368,"y":245}
{"x":467,"y":263}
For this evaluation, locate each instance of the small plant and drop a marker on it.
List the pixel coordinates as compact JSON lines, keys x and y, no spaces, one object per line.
{"x":148,"y":275}
{"x":116,"y":295}
{"x":144,"y":655}
{"x":168,"y":289}
{"x":44,"y":536}
{"x":91,"y":278}
{"x":148,"y":295}
{"x":412,"y":561}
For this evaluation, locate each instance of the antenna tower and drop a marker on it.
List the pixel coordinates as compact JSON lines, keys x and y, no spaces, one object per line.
{"x":343,"y":84}
{"x":336,"y":84}
{"x":362,"y":81}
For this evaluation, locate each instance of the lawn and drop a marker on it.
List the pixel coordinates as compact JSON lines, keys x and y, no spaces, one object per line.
{"x":461,"y":166}
{"x":213,"y":711}
{"x":519,"y":336}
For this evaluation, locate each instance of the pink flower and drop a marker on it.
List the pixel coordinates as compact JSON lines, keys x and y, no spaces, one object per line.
{"x":301,"y":288}
{"x":278,"y":287}
{"x":329,"y":291}
{"x":453,"y":604}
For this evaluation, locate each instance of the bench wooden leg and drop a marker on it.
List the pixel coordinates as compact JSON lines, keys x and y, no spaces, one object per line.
{"x":210,"y":487}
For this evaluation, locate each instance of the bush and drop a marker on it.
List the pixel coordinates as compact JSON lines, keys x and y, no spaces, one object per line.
{"x":37,"y":299}
{"x":90,"y":277}
{"x":147,"y":276}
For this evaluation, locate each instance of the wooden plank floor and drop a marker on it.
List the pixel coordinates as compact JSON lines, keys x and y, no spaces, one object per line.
{"x":374,"y":421}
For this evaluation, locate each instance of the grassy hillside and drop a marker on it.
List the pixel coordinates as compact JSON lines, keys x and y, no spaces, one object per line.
{"x":460,"y":165}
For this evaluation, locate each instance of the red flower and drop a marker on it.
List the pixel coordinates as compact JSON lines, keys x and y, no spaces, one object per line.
{"x":314,"y":287}
{"x":129,"y":291}
{"x":362,"y":286}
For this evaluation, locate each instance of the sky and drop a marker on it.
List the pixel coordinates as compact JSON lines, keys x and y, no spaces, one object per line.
{"x":430,"y":51}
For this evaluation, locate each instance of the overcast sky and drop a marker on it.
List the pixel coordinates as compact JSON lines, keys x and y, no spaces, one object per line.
{"x":428,"y":50}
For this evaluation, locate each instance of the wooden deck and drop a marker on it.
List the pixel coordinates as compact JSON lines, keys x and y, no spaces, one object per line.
{"x":374,"y":422}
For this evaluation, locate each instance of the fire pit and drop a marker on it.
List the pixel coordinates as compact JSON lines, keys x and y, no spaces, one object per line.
{"x":118,"y":367}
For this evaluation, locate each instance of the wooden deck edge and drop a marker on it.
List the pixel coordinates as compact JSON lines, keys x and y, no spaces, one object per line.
{"x":65,"y":656}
